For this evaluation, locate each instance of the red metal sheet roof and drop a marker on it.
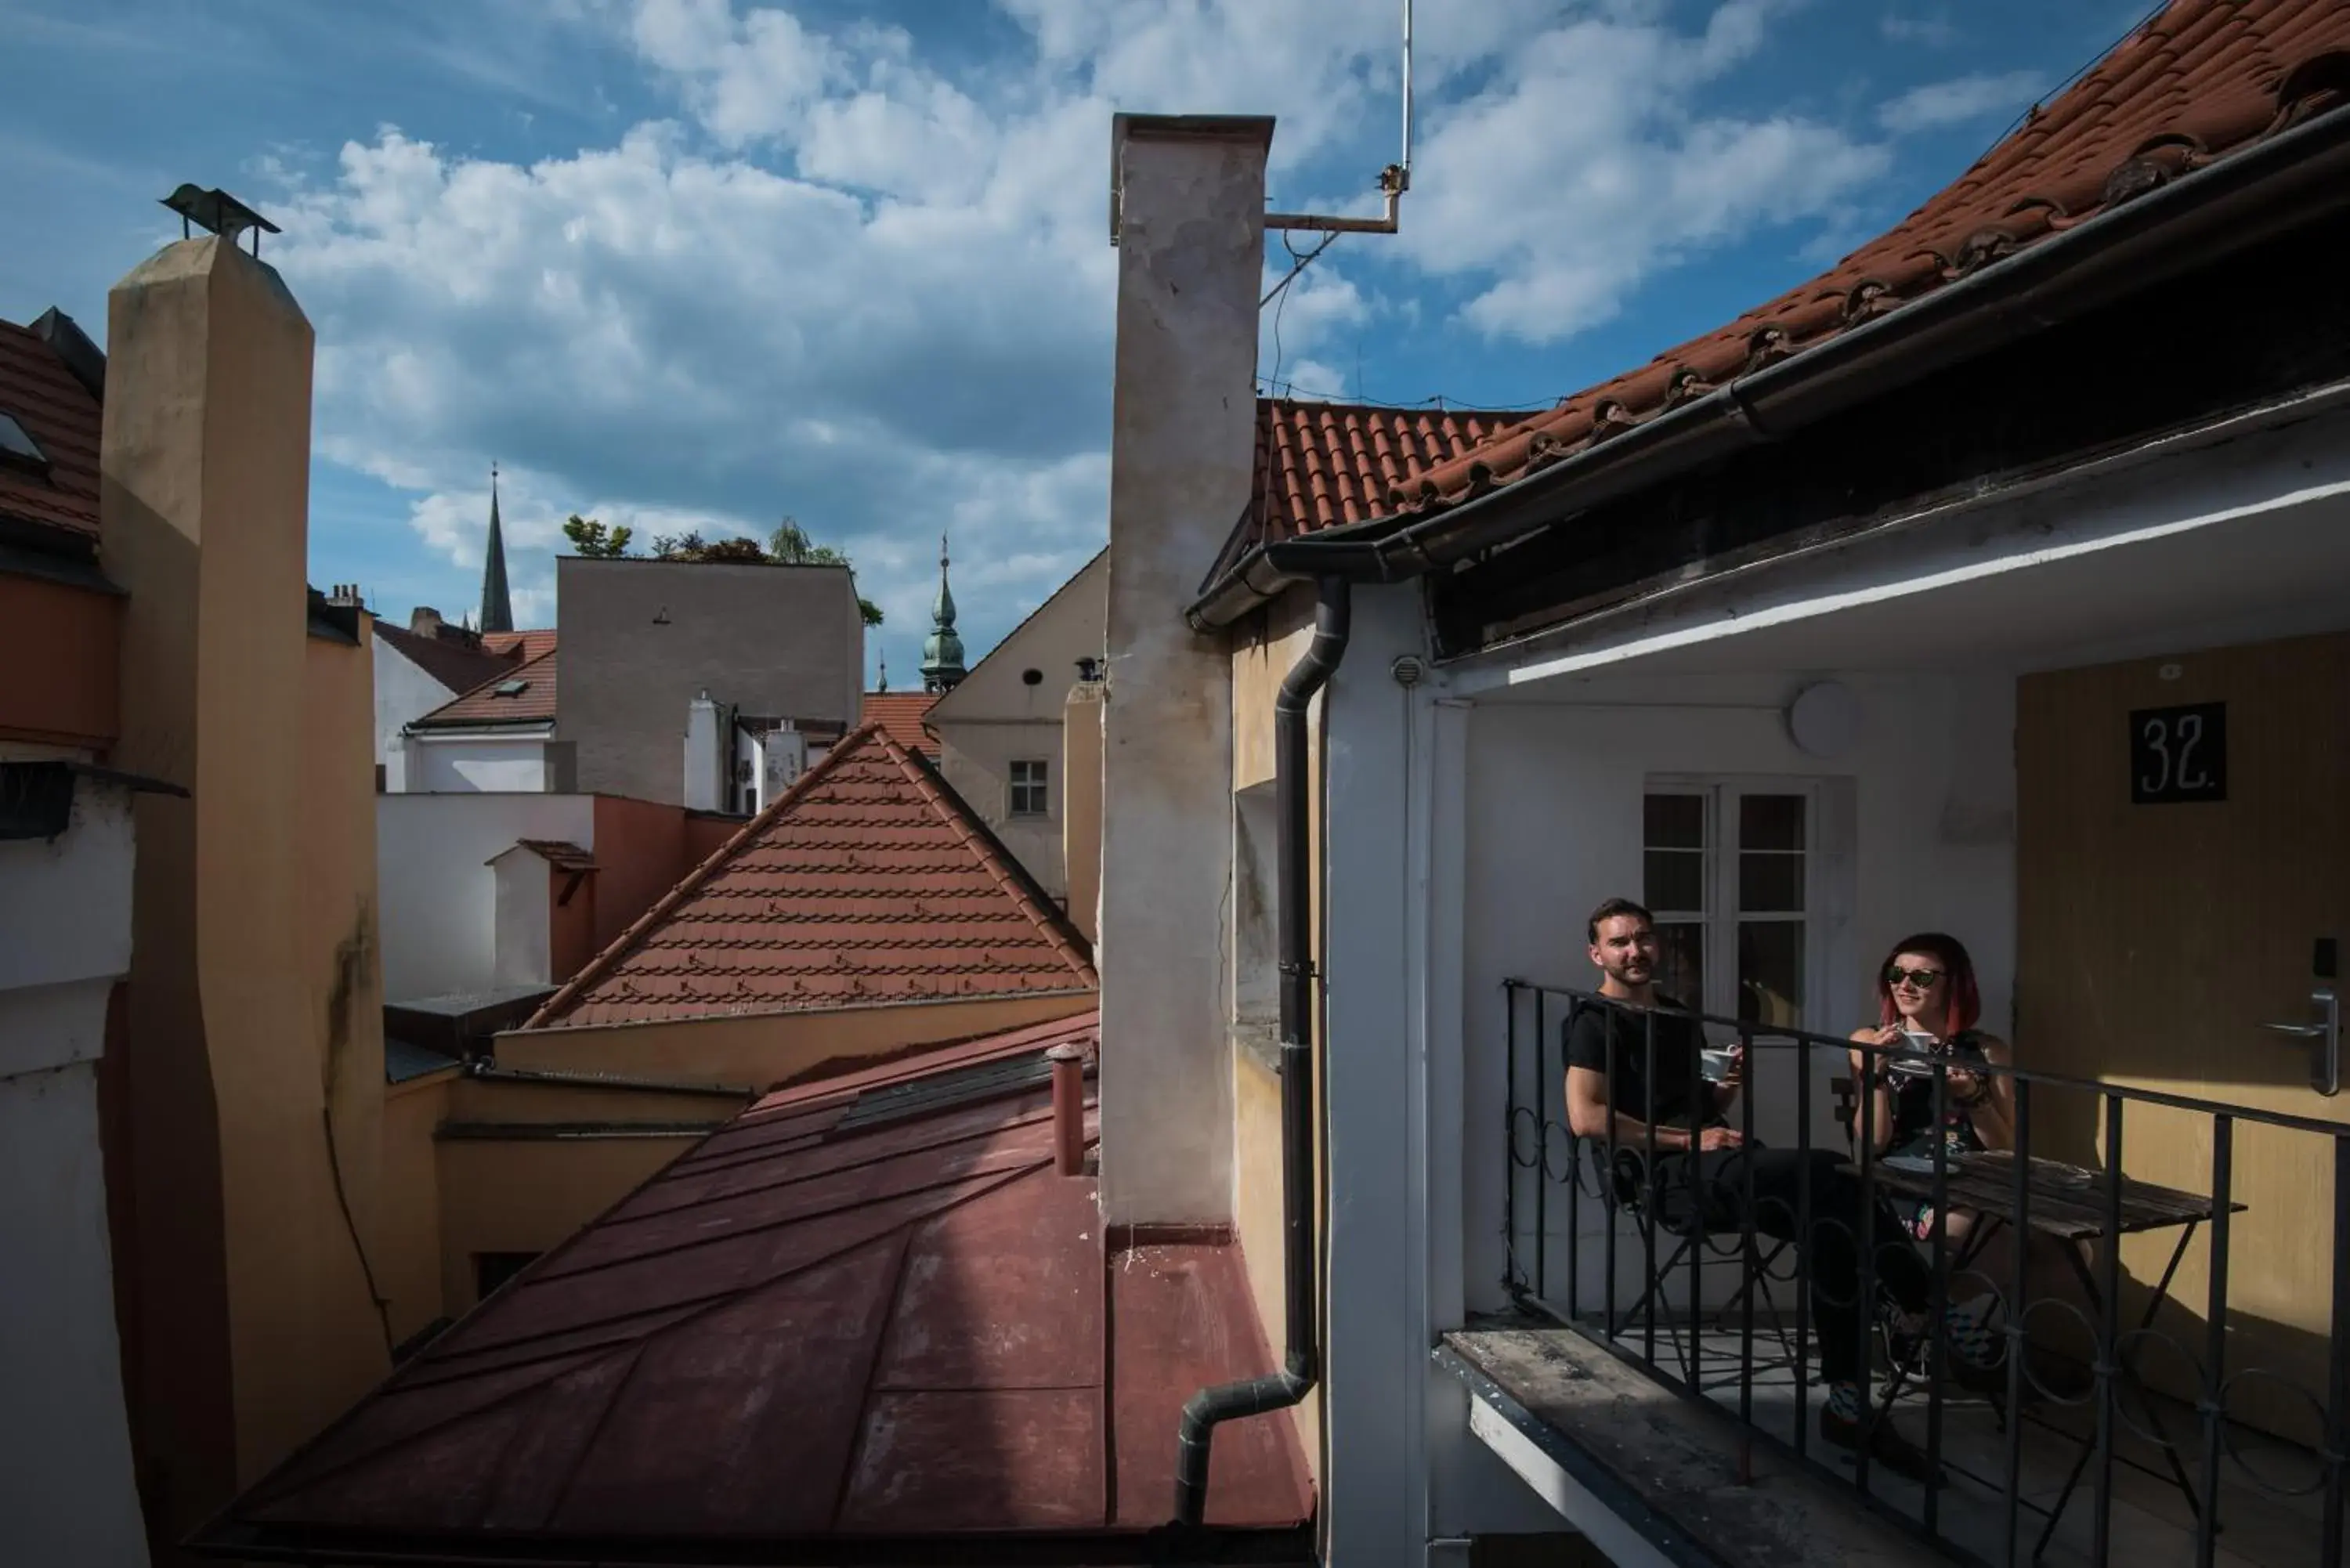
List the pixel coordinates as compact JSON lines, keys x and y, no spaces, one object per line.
{"x":868,"y":881}
{"x":867,"y":1306}
{"x":2194,"y":84}
{"x":57,"y":412}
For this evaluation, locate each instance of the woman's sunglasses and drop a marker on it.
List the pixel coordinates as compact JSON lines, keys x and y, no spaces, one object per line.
{"x":1923,"y":979}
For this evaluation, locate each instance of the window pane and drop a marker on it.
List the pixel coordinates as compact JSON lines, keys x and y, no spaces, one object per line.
{"x":1770,"y":822}
{"x":1769,"y":884}
{"x":1680,"y":962}
{"x":1770,"y":972}
{"x":1674,"y":880}
{"x":1674,"y":821}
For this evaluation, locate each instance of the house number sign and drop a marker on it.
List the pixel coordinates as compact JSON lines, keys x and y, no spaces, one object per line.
{"x":2179,"y":755}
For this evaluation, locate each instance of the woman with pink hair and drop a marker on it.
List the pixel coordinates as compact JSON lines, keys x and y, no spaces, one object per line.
{"x":1928,"y":1007}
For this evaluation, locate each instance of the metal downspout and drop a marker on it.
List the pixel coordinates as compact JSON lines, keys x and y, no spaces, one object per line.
{"x":1302,"y":1365}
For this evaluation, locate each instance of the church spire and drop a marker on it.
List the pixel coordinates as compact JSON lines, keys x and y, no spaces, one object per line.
{"x":884,"y":687}
{"x":942,"y":668}
{"x":497,"y":606}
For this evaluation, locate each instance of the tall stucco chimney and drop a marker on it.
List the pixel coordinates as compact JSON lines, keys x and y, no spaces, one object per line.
{"x":254,"y":957}
{"x":1188,"y":217}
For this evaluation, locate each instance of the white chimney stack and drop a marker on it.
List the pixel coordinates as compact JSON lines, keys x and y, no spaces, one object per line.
{"x":1188,"y":217}
{"x":706,"y":756}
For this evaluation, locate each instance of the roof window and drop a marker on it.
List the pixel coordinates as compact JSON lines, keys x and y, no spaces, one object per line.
{"x":511,"y":689}
{"x":18,"y":447}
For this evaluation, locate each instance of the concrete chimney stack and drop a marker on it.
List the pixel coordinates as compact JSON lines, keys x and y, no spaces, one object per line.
{"x":1188,"y":217}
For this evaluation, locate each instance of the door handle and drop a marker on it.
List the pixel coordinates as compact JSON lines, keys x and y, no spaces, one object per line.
{"x":2325,"y":1037}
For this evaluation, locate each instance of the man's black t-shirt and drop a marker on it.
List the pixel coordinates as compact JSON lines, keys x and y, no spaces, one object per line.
{"x":1678,"y":1039}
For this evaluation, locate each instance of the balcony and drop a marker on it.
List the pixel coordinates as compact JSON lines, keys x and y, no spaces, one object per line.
{"x":2121,"y":1382}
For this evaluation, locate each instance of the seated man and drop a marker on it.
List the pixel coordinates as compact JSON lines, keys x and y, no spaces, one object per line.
{"x":1708,"y":1175}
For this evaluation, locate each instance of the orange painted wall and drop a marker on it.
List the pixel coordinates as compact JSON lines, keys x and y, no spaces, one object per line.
{"x":68,"y":641}
{"x":571,"y":925}
{"x":641,"y":854}
{"x":705,"y":836}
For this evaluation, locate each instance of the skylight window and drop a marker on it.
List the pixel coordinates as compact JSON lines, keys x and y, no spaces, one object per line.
{"x":18,"y":448}
{"x":511,"y":689}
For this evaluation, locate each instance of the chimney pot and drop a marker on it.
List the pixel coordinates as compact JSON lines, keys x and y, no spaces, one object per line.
{"x":1068,"y":1109}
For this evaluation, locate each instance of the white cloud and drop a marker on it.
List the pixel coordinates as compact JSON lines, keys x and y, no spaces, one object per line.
{"x":1960,"y":101}
{"x":1582,"y":170}
{"x":853,"y":283}
{"x":1934,"y":32}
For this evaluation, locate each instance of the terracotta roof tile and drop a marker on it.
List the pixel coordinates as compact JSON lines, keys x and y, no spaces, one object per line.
{"x":57,"y":412}
{"x":1323,"y":465}
{"x":559,"y":852}
{"x":900,"y":713}
{"x":458,"y":664}
{"x":866,"y":1307}
{"x":2192,"y":85}
{"x":868,"y":881}
{"x":489,"y":703}
{"x":531,"y":643}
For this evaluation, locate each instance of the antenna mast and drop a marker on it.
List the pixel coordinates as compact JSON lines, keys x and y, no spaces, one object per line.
{"x":1394,"y":179}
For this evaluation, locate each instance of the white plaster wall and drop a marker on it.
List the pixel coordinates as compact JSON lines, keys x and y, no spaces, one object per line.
{"x":67,"y":1495}
{"x":995,"y":716}
{"x":485,"y":764}
{"x":404,"y":694}
{"x":436,"y":892}
{"x":977,"y":761}
{"x":1401,"y":1467}
{"x":525,"y":943}
{"x":1917,"y":834}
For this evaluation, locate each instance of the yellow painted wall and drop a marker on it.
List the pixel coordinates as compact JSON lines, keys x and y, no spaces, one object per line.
{"x":1263,"y":651}
{"x":762,"y":1049}
{"x":529,"y":1196}
{"x":408,"y":1246}
{"x":1081,"y":802}
{"x":490,"y":1100}
{"x":251,"y":1318}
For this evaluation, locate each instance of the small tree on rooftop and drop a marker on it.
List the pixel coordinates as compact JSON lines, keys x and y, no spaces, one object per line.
{"x":590,"y":538}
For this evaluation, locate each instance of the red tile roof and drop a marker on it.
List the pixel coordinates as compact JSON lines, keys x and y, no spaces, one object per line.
{"x":1323,"y":465}
{"x":867,"y":1307}
{"x":868,"y":881}
{"x":2193,"y":85}
{"x":559,"y":852}
{"x":900,"y":713}
{"x":458,"y":664}
{"x":533,"y":704}
{"x":57,"y":412}
{"x":531,"y":643}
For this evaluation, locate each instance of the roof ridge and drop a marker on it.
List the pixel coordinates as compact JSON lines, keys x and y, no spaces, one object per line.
{"x":1013,"y":878}
{"x":621,"y":946}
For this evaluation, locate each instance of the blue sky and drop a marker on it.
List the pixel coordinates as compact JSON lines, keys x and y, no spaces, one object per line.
{"x":704,"y":263}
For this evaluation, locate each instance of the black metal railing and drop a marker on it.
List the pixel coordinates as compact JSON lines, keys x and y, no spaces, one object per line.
{"x":1713,"y":1274}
